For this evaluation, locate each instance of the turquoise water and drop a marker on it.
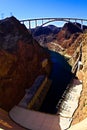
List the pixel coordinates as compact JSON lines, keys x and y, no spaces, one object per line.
{"x":60,"y":76}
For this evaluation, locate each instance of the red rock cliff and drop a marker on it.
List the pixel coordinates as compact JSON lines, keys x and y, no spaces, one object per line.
{"x":20,"y":61}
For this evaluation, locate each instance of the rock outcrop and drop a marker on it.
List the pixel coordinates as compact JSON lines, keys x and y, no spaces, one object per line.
{"x":68,"y":35}
{"x":21,"y":60}
{"x":64,"y":40}
{"x":68,"y":39}
{"x":45,"y":34}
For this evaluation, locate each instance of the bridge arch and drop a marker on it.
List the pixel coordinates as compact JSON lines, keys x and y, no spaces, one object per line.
{"x":53,"y":20}
{"x":45,"y":21}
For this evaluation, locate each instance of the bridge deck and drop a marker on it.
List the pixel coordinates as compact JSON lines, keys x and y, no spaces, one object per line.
{"x":45,"y":21}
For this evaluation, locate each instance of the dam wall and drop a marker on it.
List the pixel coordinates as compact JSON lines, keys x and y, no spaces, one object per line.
{"x":35,"y":95}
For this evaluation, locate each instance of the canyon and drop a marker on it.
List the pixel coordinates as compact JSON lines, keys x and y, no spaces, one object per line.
{"x":49,"y":52}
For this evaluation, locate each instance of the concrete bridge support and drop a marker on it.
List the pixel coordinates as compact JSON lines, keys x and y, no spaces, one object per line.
{"x":29,"y":24}
{"x":82,"y":24}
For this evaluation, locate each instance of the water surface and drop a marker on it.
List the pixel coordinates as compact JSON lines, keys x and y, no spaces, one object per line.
{"x":60,"y":76}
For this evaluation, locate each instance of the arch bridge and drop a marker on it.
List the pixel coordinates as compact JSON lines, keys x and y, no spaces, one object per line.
{"x":44,"y":21}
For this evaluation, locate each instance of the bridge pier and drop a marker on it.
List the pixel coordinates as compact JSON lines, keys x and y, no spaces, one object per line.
{"x":42,"y":21}
{"x":35,"y":23}
{"x":82,"y":24}
{"x":75,"y":21}
{"x":29,"y":25}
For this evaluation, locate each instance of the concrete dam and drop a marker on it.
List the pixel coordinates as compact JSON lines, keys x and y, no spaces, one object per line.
{"x":51,"y":99}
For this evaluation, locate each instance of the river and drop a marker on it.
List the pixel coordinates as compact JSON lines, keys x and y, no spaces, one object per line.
{"x":60,"y":76}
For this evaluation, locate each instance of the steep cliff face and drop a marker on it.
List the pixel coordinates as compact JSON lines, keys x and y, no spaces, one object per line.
{"x":21,"y":60}
{"x":10,"y":32}
{"x":67,"y":39}
{"x":81,"y":112}
{"x":68,"y":35}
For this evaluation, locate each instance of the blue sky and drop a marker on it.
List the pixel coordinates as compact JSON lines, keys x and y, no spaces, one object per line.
{"x":25,"y":9}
